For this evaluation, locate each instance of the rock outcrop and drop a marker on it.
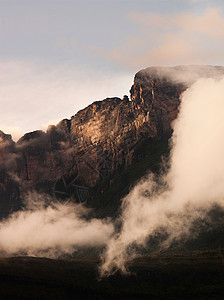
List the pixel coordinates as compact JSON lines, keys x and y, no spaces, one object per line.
{"x":100,"y":140}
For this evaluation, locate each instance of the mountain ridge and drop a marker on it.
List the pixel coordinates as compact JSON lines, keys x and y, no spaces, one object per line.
{"x":100,"y":141}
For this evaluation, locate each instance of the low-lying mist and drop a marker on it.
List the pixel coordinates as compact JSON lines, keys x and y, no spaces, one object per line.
{"x":51,"y":229}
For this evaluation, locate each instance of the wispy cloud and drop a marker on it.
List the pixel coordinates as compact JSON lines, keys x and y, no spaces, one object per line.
{"x":195,"y":1}
{"x":162,"y":39}
{"x":193,"y":184}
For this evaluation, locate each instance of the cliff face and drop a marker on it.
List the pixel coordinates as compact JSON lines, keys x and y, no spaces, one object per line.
{"x":100,"y":140}
{"x":104,"y":135}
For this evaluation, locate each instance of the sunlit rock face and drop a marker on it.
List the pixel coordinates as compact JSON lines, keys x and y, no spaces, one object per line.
{"x":100,"y":140}
{"x":105,"y":134}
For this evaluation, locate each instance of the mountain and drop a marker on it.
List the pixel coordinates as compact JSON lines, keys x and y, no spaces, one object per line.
{"x":102,"y":149}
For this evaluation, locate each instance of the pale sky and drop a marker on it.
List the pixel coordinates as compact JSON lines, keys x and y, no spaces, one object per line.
{"x":58,"y":56}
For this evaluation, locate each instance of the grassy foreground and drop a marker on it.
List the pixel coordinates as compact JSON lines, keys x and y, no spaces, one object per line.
{"x":196,"y":275}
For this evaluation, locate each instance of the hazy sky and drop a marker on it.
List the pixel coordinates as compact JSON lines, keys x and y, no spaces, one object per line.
{"x":57,"y":56}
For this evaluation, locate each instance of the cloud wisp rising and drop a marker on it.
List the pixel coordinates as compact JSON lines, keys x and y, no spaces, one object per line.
{"x":191,"y":187}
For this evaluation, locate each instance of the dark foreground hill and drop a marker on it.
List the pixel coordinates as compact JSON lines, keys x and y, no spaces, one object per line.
{"x":199,"y":275}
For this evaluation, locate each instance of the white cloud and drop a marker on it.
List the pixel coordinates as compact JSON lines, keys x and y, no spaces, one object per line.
{"x":51,"y":230}
{"x":192,"y":186}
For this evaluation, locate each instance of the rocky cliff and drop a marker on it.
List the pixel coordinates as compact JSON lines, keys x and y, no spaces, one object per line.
{"x":98,"y":142}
